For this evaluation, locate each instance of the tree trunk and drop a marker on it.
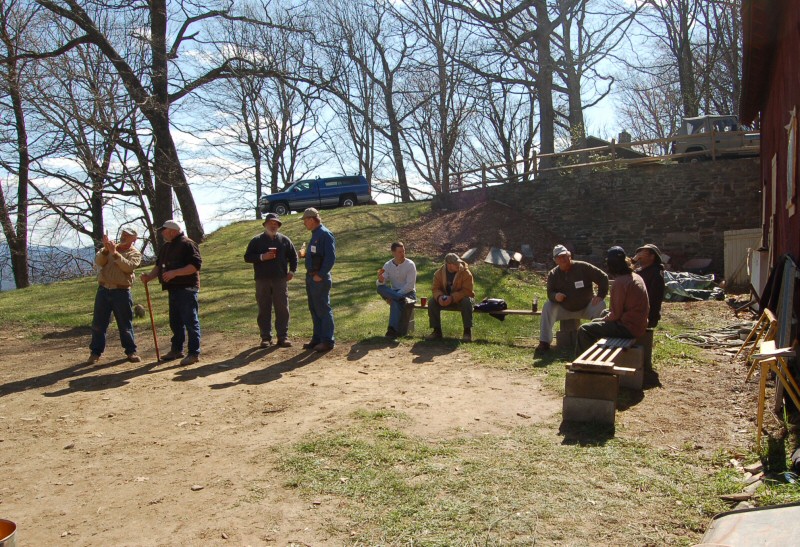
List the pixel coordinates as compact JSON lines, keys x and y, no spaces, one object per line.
{"x":544,"y":84}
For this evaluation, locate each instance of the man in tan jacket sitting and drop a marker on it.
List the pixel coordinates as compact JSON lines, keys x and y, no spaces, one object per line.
{"x":452,"y":289}
{"x":115,"y":263}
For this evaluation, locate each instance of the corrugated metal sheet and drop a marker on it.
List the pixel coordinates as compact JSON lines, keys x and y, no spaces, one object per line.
{"x":736,"y":244}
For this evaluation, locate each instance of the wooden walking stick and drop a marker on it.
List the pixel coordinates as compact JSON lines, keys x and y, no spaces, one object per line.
{"x":152,"y":322}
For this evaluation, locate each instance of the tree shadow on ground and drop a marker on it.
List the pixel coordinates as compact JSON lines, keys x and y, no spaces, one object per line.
{"x":272,"y":372}
{"x":237,"y":361}
{"x":425,"y":352}
{"x":360,"y":349}
{"x":44,"y":380}
{"x":586,"y":434}
{"x":628,"y":398}
{"x":110,"y":381}
{"x":543,"y":359}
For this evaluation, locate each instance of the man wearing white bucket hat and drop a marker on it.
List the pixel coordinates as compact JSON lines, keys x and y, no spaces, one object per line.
{"x":570,"y":294}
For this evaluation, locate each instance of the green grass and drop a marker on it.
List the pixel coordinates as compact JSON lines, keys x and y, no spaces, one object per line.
{"x":517,"y":488}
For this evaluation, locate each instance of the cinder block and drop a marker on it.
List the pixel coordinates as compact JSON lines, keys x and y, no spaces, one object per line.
{"x":631,"y":358}
{"x":590,"y":385}
{"x":566,"y":339}
{"x":569,"y":325}
{"x":646,"y":341}
{"x":581,"y":409}
{"x":406,"y":325}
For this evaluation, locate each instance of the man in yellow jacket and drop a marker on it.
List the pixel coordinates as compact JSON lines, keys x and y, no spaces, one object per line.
{"x":452,"y":289}
{"x":115,"y":264}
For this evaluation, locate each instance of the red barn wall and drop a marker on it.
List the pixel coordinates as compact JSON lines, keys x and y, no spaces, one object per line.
{"x":783,"y":96}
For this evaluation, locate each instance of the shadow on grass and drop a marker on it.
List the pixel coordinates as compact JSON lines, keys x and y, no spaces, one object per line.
{"x":628,"y":398}
{"x":586,"y":434}
{"x":360,"y":350}
{"x":69,"y":333}
{"x":272,"y":372}
{"x":543,"y":359}
{"x":426,"y":351}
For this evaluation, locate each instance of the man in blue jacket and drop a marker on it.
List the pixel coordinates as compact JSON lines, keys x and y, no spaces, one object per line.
{"x":320,"y":258}
{"x":274,"y":261}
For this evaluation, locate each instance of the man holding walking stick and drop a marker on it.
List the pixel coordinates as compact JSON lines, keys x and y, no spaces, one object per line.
{"x":115,"y":263}
{"x":178,"y":269}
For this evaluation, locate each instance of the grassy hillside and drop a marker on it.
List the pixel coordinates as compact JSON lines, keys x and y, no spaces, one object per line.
{"x":227,"y":302}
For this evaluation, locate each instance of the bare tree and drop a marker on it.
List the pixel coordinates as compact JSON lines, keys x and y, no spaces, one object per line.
{"x":368,"y":44}
{"x":15,"y":20}
{"x":151,"y":90}
{"x":440,"y":91}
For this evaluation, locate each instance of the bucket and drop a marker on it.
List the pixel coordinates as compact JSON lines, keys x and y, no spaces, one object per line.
{"x":8,"y":533}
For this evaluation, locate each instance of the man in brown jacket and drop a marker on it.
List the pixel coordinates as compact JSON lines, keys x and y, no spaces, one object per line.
{"x":452,"y":289}
{"x":115,"y":263}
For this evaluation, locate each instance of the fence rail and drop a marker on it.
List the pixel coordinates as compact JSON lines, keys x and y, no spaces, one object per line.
{"x":707,"y":146}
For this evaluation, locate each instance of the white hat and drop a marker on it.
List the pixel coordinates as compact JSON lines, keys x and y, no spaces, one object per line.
{"x":559,"y":250}
{"x":172,"y":225}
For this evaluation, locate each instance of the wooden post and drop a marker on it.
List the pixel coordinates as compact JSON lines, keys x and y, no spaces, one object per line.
{"x":613,"y":153}
{"x":713,"y":144}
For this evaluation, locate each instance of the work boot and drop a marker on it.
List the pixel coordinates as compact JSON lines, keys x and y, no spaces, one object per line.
{"x":391,"y":333}
{"x":190,"y":359}
{"x":133,"y":358}
{"x":322,"y":347}
{"x":542,"y":347}
{"x":310,"y":345}
{"x":435,"y":335}
{"x":93,"y":358}
{"x":467,"y":335}
{"x":284,"y":343}
{"x":265,"y":343}
{"x":172,"y":355}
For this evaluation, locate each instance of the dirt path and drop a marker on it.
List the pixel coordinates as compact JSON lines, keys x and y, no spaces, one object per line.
{"x":109,"y":454}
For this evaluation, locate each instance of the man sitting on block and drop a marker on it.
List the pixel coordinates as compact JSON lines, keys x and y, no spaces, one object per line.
{"x":397,"y":284}
{"x":629,"y":306}
{"x":570,"y":294}
{"x":452,"y":289}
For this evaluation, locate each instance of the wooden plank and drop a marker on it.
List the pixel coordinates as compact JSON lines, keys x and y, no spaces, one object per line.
{"x":500,"y":312}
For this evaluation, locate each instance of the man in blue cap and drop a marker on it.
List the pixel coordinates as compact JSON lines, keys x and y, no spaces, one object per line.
{"x":320,"y":258}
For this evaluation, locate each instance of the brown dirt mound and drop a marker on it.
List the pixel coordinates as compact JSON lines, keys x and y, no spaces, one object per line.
{"x":482,"y":226}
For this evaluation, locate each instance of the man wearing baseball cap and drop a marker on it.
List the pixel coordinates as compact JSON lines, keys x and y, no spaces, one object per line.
{"x":453,"y":288}
{"x":571,"y":294}
{"x":274,"y":261}
{"x":320,"y":258}
{"x":115,"y":264}
{"x":627,"y":317}
{"x":178,"y":269}
{"x":651,"y":269}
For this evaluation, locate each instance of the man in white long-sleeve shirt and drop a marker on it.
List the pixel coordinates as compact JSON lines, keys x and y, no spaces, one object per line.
{"x":401,"y":273}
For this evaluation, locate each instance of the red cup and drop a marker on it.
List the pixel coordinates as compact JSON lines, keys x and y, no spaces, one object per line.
{"x":423,"y":302}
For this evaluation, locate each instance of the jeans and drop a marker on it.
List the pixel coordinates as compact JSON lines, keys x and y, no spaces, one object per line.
{"x":319,"y":304}
{"x":273,"y":292}
{"x":435,"y":312}
{"x":118,"y":302}
{"x":183,"y":319}
{"x":589,"y":333}
{"x":552,"y":312}
{"x":397,"y":304}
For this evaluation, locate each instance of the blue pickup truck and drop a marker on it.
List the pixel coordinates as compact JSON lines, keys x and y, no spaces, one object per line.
{"x":322,"y":193}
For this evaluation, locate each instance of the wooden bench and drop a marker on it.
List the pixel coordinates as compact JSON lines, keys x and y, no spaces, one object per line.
{"x":593,"y":379}
{"x":500,"y":312}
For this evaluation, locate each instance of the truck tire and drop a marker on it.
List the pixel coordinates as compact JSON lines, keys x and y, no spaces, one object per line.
{"x":281,"y":208}
{"x":348,"y":201}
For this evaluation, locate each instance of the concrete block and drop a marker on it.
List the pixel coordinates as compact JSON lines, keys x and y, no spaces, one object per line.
{"x":569,"y":325}
{"x":590,"y":385}
{"x":406,"y":325}
{"x":566,"y":339}
{"x":631,"y":358}
{"x":581,"y":409}
{"x":646,"y":341}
